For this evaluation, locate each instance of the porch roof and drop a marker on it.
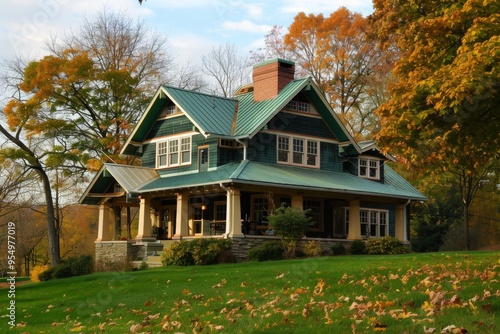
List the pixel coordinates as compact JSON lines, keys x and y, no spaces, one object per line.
{"x":250,"y":172}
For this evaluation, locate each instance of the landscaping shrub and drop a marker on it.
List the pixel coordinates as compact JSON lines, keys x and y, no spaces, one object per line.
{"x":357,"y":247}
{"x":62,"y":270}
{"x":385,"y":245}
{"x":46,"y":275}
{"x":312,"y":248}
{"x":195,"y":252}
{"x":267,"y":251}
{"x":36,"y":271}
{"x":338,"y":249}
{"x":80,"y":265}
{"x":290,"y":225}
{"x":72,"y":266}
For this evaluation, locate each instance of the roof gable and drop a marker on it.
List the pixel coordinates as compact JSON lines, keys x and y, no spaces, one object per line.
{"x":210,"y":114}
{"x":252,"y":116}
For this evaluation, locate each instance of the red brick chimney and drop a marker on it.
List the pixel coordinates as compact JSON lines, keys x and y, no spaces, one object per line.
{"x":270,"y":77}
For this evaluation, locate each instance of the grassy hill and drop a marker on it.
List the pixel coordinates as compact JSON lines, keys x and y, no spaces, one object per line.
{"x":347,"y":294}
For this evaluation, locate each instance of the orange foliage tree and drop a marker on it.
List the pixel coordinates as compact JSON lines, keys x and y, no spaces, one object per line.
{"x":77,"y":104}
{"x":444,"y":110}
{"x":348,"y":66}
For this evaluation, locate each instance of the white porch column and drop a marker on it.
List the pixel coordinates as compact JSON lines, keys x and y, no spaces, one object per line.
{"x":233,"y":213}
{"x":103,"y":233}
{"x":182,"y":220}
{"x":400,"y":222}
{"x":144,"y":229}
{"x":354,"y":221}
{"x":297,"y":202}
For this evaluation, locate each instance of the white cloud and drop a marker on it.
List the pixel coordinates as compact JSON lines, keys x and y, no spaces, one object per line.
{"x":326,"y":6}
{"x":246,"y":26}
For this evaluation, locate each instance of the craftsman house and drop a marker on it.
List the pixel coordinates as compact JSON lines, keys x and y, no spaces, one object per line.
{"x":216,"y":167}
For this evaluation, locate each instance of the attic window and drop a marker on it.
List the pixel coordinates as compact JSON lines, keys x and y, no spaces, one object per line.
{"x":169,"y":110}
{"x":298,"y":106}
{"x":369,"y":168}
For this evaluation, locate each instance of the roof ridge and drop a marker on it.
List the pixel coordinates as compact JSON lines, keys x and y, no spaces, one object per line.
{"x":199,"y":93}
{"x":239,"y":170}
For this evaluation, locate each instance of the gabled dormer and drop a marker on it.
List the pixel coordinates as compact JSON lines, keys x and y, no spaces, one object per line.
{"x":369,"y":164}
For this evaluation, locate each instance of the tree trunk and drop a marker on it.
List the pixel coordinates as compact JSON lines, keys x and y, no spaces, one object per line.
{"x":53,"y":236}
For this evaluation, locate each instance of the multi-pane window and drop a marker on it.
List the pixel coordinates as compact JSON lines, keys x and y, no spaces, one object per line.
{"x":161,"y":154}
{"x":173,"y":152}
{"x":298,"y":106}
{"x":169,"y":110}
{"x":220,"y":211}
{"x":312,"y":153}
{"x":298,"y":151}
{"x":373,"y":223}
{"x":185,"y":150}
{"x":260,"y":208}
{"x":369,"y":168}
{"x":283,"y":149}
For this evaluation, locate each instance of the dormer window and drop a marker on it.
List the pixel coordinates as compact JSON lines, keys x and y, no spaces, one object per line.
{"x":169,"y":110}
{"x":369,"y":168}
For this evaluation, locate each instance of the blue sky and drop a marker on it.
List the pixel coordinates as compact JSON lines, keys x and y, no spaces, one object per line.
{"x":193,"y":27}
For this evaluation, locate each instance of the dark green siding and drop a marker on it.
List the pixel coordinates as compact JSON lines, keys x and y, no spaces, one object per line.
{"x":294,"y":123}
{"x":329,"y":157}
{"x":170,"y":126}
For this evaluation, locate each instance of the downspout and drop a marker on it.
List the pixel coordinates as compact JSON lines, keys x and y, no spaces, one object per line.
{"x":228,"y":211}
{"x":244,"y":148}
{"x":405,"y":234}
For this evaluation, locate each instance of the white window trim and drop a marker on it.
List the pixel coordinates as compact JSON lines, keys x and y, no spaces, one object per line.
{"x":368,"y":167}
{"x":368,"y":223}
{"x":179,"y":151}
{"x":305,"y":152}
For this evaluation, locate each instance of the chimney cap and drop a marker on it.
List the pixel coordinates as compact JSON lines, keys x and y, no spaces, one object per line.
{"x":278,"y":60}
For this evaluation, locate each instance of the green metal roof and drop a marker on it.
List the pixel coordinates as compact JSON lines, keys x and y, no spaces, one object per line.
{"x":210,"y":113}
{"x":249,"y":172}
{"x":252,"y":116}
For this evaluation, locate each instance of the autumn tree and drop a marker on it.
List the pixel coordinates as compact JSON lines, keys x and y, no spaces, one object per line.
{"x":226,"y":68}
{"x":274,"y":47}
{"x":443,"y":114}
{"x":78,"y":103}
{"x":338,"y":53}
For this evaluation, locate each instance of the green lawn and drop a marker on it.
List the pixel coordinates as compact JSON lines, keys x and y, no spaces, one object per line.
{"x":346,"y":294}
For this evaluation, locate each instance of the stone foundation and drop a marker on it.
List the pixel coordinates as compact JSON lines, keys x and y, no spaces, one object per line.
{"x":242,"y":245}
{"x":116,"y":251}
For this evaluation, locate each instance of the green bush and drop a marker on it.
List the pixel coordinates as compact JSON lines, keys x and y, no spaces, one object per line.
{"x":195,"y":252}
{"x":267,"y":252}
{"x":312,"y":248}
{"x":290,"y":225}
{"x":338,"y":249}
{"x":385,"y":245}
{"x":62,"y":270}
{"x":357,"y":247}
{"x":46,"y":275}
{"x":80,"y":265}
{"x":72,"y":266}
